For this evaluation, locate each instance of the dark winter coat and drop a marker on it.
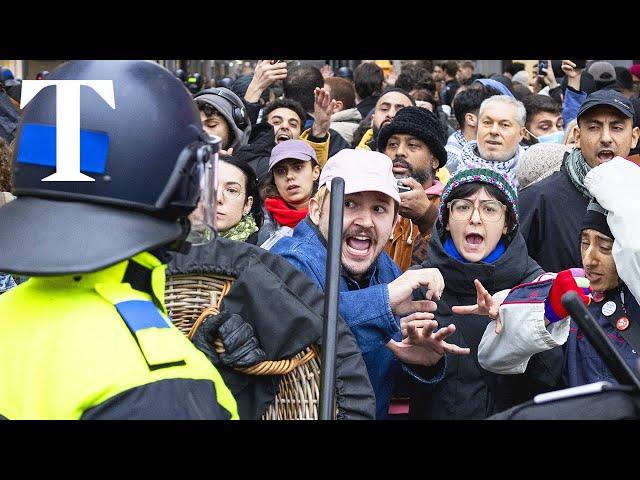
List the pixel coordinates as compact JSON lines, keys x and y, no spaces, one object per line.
{"x":468,"y":391}
{"x":285,"y":309}
{"x":551,"y":213}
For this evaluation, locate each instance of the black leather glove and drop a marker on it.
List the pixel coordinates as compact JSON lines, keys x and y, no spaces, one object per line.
{"x":240,"y":344}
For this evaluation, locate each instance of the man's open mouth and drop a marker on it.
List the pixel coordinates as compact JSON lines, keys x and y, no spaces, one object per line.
{"x":358,"y":245}
{"x":606,"y":155}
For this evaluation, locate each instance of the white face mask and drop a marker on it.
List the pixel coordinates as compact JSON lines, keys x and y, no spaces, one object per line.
{"x":556,"y":137}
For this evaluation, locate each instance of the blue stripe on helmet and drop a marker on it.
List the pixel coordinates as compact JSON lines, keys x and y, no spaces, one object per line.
{"x":38,"y":147}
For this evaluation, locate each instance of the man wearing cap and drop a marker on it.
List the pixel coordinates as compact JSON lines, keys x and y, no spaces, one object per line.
{"x":414,"y":140}
{"x":552,"y":209}
{"x":387,"y":106}
{"x":374,"y":293}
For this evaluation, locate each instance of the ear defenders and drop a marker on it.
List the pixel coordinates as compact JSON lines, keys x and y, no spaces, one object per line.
{"x":238,"y":112}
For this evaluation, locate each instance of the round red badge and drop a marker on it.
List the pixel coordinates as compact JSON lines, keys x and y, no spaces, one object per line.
{"x":622,"y":323}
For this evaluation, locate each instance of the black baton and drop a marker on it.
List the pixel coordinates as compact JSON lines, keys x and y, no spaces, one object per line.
{"x":331,"y":297}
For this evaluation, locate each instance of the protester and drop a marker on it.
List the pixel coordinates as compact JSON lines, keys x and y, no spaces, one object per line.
{"x":374,"y":293}
{"x":223,"y":115}
{"x":552,"y":209}
{"x":239,"y":209}
{"x":302,"y":84}
{"x":531,"y":318}
{"x":569,"y":136}
{"x":501,"y":121}
{"x":465,"y":73}
{"x":477,"y":238}
{"x":345,"y":117}
{"x":292,"y":181}
{"x":544,"y":123}
{"x":282,"y":121}
{"x":368,"y":80}
{"x":387,"y":106}
{"x":414,"y":140}
{"x":450,"y":83}
{"x":466,"y":106}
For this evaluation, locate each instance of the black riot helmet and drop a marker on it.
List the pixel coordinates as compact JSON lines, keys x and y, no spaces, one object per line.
{"x":345,"y":72}
{"x":146,"y":159}
{"x":181,"y":74}
{"x":194,"y":83}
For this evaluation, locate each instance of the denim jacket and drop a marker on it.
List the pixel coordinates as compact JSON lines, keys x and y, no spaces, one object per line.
{"x":366,"y":310}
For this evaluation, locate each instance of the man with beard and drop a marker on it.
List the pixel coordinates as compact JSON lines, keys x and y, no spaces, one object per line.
{"x":414,"y":140}
{"x":387,"y":106}
{"x":552,"y":209}
{"x":374,"y":293}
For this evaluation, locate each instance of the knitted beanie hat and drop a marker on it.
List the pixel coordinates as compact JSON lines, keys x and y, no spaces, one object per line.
{"x":480,"y":175}
{"x":596,"y":219}
{"x":538,"y":162}
{"x":420,"y":123}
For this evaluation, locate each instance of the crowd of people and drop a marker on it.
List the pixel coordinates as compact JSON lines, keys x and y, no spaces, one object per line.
{"x":472,"y":204}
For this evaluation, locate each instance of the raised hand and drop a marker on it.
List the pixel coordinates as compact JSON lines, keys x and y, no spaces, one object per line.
{"x":265,"y":74}
{"x":326,"y":71}
{"x":485,"y":305}
{"x":402,"y":288}
{"x":549,"y":77}
{"x":573,"y":74}
{"x":323,"y":108}
{"x":423,"y":347}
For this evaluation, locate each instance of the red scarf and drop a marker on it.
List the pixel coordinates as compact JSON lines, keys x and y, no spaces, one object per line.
{"x":283,"y":213}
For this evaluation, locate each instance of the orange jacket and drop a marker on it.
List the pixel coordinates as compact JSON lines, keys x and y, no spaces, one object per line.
{"x":407,"y":245}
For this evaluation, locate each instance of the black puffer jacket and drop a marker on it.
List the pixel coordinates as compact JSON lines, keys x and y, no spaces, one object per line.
{"x":467,"y":391}
{"x":285,"y":309}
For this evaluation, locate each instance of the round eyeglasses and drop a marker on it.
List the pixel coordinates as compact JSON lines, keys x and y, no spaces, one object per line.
{"x":231,"y":192}
{"x":462,"y":209}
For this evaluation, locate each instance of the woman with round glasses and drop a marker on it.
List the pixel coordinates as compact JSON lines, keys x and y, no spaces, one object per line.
{"x":477,"y":238}
{"x":239,"y":209}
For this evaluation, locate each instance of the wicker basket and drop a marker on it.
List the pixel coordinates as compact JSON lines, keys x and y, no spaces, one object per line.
{"x":191,"y":298}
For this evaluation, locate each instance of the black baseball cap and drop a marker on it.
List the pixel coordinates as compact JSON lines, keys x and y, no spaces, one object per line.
{"x":611,"y":98}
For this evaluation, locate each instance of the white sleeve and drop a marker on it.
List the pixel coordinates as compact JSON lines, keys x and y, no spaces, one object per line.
{"x":523,"y":335}
{"x":614,"y":185}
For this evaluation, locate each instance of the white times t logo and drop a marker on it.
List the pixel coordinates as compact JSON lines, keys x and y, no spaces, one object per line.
{"x":68,"y":122}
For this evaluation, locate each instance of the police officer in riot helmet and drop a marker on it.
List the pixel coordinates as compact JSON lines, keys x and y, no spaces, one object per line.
{"x":87,"y":336}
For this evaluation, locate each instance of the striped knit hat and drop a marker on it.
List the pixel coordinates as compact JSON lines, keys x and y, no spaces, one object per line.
{"x":480,"y":175}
